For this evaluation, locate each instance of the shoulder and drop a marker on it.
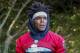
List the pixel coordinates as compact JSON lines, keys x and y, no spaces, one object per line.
{"x":24,"y":36}
{"x":55,"y":35}
{"x":57,"y":39}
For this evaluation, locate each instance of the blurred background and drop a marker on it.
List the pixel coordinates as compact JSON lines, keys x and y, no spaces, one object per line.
{"x":64,"y":15}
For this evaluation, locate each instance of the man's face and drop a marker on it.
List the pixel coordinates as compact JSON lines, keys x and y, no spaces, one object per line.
{"x":40,"y":23}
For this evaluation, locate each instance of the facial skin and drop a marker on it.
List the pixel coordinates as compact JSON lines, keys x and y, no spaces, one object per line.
{"x":40,"y":23}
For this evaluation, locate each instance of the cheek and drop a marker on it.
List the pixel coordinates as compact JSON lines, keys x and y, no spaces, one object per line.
{"x":37,"y":23}
{"x":45,"y":21}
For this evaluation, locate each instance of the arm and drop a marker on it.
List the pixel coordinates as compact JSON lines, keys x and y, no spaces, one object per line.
{"x":60,"y":45}
{"x":19,"y":46}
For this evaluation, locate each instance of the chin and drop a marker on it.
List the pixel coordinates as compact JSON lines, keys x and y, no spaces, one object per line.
{"x":41,"y":29}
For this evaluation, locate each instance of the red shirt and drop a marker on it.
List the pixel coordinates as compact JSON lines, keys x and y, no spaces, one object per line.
{"x":52,"y":41}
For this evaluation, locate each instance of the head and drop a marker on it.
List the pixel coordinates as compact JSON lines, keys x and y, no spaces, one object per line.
{"x":38,"y":17}
{"x":40,"y":21}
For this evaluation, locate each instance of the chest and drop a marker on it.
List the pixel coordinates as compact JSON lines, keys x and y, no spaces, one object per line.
{"x":45,"y":44}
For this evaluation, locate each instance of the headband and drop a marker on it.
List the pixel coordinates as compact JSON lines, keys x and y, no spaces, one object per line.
{"x":41,"y":13}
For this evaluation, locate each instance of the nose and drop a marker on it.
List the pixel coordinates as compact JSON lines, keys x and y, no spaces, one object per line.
{"x":42,"y":20}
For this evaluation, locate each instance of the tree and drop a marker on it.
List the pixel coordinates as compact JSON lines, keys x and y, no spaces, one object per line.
{"x":8,"y":32}
{"x":65,"y":19}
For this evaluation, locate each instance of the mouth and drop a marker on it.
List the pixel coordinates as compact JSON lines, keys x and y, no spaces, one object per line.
{"x":42,"y":26}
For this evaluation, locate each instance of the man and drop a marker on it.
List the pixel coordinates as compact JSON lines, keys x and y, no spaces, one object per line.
{"x":40,"y":39}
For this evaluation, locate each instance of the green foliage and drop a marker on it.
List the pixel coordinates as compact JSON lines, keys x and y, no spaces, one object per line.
{"x":65,"y":20}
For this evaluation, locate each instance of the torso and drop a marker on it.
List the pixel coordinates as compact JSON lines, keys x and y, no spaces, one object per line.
{"x":46,"y":44}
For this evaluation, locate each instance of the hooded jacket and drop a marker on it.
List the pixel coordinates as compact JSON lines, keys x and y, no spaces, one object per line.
{"x":39,"y":42}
